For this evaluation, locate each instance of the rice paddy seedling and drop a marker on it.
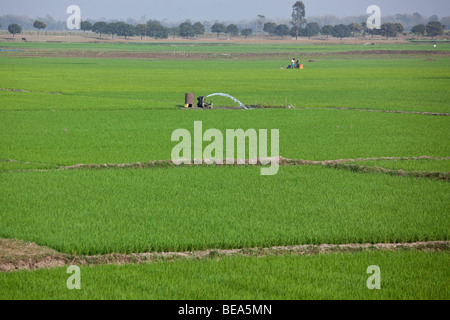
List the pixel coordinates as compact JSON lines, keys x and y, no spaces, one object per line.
{"x":405,"y":275}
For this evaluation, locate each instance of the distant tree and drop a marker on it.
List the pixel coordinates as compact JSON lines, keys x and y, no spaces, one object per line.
{"x":101,"y":27}
{"x":141,"y":30}
{"x":445,"y":21}
{"x":232,"y":30}
{"x":399,"y":27}
{"x":14,"y":29}
{"x":364,"y":28}
{"x":341,"y":31}
{"x":374,"y":31}
{"x":85,"y":26}
{"x":174,"y":32}
{"x":389,"y":30}
{"x":156,"y":30}
{"x":435,"y":28}
{"x":419,"y":29}
{"x":218,"y":28}
{"x":312,"y":29}
{"x":405,"y":19}
{"x":355,"y":28}
{"x":298,"y":16}
{"x":187,"y":30}
{"x":163,"y":33}
{"x":246,"y":32}
{"x":301,"y":32}
{"x":417,"y":17}
{"x":199,"y":29}
{"x":270,"y":27}
{"x":123,"y":29}
{"x":282,"y":30}
{"x":260,"y":20}
{"x":293,"y":32}
{"x":433,"y":18}
{"x":39,"y":25}
{"x":112,"y":28}
{"x":326,"y":30}
{"x":152,"y":27}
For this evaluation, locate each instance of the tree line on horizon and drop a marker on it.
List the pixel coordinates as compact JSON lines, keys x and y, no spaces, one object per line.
{"x":312,"y":29}
{"x":300,"y":27}
{"x":156,"y":30}
{"x":407,"y":20}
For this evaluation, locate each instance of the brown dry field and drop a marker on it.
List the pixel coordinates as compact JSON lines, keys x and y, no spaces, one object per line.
{"x":93,"y":38}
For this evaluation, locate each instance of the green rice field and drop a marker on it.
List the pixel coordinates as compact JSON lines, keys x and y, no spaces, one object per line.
{"x":67,"y":104}
{"x":405,"y":275}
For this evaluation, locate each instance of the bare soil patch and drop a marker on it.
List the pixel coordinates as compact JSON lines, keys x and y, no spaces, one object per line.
{"x":18,"y":255}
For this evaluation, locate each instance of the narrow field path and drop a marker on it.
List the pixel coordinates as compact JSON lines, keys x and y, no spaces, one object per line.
{"x":22,"y":255}
{"x":345,"y":164}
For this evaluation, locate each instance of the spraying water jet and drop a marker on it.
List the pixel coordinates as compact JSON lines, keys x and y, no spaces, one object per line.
{"x":227,"y":96}
{"x":190,"y":98}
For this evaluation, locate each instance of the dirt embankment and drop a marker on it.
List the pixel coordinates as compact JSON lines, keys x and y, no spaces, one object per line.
{"x":22,"y":255}
{"x":345,"y":164}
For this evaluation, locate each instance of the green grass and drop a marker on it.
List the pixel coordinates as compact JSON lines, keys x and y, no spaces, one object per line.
{"x":125,"y":110}
{"x":177,"y":209}
{"x":119,"y":136}
{"x":86,"y":83}
{"x":404,"y":275}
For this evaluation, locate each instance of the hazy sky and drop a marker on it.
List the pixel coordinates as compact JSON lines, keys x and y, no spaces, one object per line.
{"x":222,"y":10}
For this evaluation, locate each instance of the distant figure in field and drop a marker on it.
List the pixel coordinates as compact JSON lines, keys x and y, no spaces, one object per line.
{"x":295,"y":64}
{"x":24,"y":39}
{"x":292,"y":65}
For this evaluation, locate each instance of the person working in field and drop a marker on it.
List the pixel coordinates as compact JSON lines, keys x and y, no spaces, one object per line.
{"x":291,"y":66}
{"x":295,"y":64}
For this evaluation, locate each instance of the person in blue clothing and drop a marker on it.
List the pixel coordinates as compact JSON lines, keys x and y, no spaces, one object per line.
{"x":294,"y":64}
